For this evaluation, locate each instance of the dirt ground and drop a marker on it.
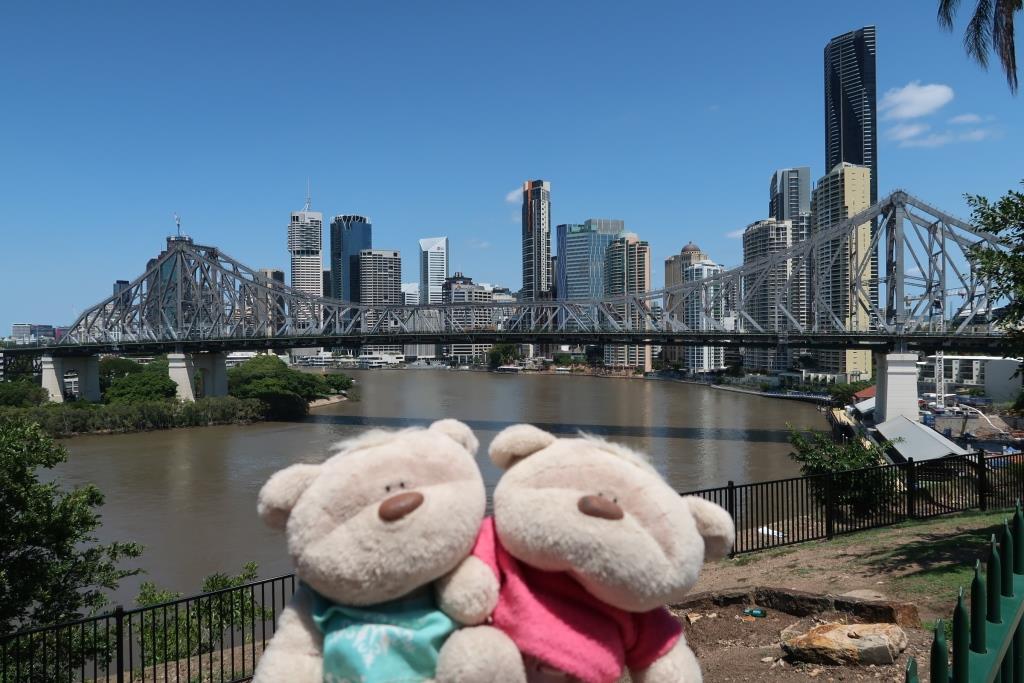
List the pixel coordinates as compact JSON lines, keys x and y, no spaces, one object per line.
{"x":921,"y":563}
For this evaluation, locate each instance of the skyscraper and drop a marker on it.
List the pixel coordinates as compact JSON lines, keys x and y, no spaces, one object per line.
{"x":850,"y":103}
{"x":433,"y":268}
{"x":580,"y":264}
{"x":790,"y":193}
{"x":627,"y":270}
{"x":305,"y":239}
{"x":380,"y":285}
{"x":841,"y":278}
{"x":696,"y":313}
{"x":675,"y":266}
{"x":350,"y":234}
{"x":536,"y":240}
{"x":459,"y":289}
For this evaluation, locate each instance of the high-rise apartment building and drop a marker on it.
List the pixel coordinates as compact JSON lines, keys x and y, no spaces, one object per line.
{"x":851,"y":131}
{"x":842,"y":271}
{"x":380,"y":284}
{"x":790,"y":193}
{"x":675,"y":266}
{"x":433,"y":268}
{"x":627,"y":270}
{"x":460,"y":289}
{"x":305,"y":241}
{"x":424,"y":321}
{"x":779,"y":296}
{"x":580,"y":263}
{"x":698,"y":314}
{"x":411,"y":293}
{"x":350,"y":235}
{"x":537,"y":273}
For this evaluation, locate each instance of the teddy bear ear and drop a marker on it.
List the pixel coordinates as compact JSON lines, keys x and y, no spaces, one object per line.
{"x":279,"y":495}
{"x":516,"y":442}
{"x":458,"y":432}
{"x":714,"y":524}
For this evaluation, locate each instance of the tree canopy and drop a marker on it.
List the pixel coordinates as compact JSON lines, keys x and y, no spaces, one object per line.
{"x":1004,"y":218}
{"x":989,"y":30}
{"x":150,"y":383}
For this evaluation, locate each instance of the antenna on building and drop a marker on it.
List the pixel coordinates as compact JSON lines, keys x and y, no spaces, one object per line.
{"x":177,"y":222}
{"x":309,"y":198}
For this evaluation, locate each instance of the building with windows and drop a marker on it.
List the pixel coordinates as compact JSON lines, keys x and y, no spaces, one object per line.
{"x":675,"y":266}
{"x":433,"y":268}
{"x":460,"y":289}
{"x":851,"y":134}
{"x":778,"y":297}
{"x":350,"y":234}
{"x":789,"y":194}
{"x":537,"y":275}
{"x":380,"y":285}
{"x":627,"y":270}
{"x":272,"y":305}
{"x":841,"y":277}
{"x":580,"y":263}
{"x":305,"y":240}
{"x":698,"y":312}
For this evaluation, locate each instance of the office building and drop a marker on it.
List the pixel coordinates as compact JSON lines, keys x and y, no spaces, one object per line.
{"x":433,"y":268}
{"x":537,"y":276}
{"x":779,"y":296}
{"x":841,"y":277}
{"x":699,"y":312}
{"x":579,"y":271}
{"x":380,"y":285}
{"x":675,"y":265}
{"x":411,"y":293}
{"x":305,"y":236}
{"x":272,"y":305}
{"x":424,"y":321}
{"x":460,"y":289}
{"x":328,"y":284}
{"x":350,"y":234}
{"x":851,"y":132}
{"x":790,"y":193}
{"x":627,"y":270}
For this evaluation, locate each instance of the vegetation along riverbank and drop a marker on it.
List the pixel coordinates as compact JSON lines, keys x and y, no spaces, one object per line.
{"x":140,"y":397}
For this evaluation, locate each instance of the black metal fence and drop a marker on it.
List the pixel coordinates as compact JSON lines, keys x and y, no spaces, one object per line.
{"x":218,"y":637}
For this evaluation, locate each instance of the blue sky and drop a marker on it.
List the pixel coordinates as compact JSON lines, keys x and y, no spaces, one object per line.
{"x":424,"y":116}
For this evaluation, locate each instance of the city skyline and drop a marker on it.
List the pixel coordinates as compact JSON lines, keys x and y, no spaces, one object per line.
{"x":944,"y":128}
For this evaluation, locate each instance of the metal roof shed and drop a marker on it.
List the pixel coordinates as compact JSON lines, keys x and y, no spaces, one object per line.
{"x":914,"y":440}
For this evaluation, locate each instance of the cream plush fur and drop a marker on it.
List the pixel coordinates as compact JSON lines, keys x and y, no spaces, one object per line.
{"x":344,"y":550}
{"x":649,"y":558}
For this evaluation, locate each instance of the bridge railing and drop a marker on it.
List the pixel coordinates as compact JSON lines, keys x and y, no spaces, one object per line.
{"x":218,"y":637}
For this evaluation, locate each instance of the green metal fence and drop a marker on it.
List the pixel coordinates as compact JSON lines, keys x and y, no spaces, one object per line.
{"x":988,"y":639}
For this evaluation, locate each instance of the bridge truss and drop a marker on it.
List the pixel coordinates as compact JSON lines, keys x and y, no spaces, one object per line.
{"x":910,"y":276}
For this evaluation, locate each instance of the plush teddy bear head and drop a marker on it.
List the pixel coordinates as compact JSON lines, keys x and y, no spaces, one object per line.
{"x":387,"y":513}
{"x":603,"y":514}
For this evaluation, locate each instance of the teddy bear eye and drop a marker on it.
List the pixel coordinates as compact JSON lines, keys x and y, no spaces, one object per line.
{"x":401,"y":484}
{"x":387,"y":489}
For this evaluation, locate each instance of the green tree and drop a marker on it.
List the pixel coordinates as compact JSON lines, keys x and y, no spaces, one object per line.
{"x":52,"y":568}
{"x":842,"y":394}
{"x":22,"y":393}
{"x":114,"y":367}
{"x":1004,"y":218}
{"x":990,"y":30}
{"x":562,"y":359}
{"x":285,"y":392}
{"x":151,"y":384}
{"x":503,"y":354}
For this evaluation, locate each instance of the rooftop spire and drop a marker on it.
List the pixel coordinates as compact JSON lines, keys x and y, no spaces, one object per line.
{"x":309,"y":198}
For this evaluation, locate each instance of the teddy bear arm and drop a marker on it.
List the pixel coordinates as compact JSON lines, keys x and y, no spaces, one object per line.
{"x":678,"y":665}
{"x":469,"y":593}
{"x":295,"y":652}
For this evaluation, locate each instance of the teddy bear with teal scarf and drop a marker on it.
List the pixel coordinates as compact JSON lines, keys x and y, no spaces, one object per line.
{"x":380,"y":534}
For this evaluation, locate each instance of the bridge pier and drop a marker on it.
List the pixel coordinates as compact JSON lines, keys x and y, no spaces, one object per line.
{"x":182,"y":368}
{"x":896,"y":386}
{"x":88,"y":370}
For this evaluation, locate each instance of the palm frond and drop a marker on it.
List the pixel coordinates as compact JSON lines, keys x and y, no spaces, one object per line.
{"x":947,"y":10}
{"x":1002,"y":38}
{"x":978,"y":36}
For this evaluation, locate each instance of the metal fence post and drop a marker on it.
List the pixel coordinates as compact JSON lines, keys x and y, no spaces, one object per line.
{"x":829,"y":505}
{"x":982,"y":482}
{"x":911,"y":484}
{"x":119,"y":637}
{"x":730,"y":506}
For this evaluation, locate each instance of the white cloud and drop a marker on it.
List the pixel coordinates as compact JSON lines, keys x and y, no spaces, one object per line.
{"x":977,"y":135}
{"x":736,"y":234}
{"x":514,"y":196}
{"x":475,"y":243}
{"x":914,"y":100}
{"x":906,"y":131}
{"x":933,"y":140}
{"x":965,"y":118}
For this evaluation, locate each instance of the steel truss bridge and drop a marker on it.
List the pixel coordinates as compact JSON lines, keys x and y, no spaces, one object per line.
{"x":907,"y":282}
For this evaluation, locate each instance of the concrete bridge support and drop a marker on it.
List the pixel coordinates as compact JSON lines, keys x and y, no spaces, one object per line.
{"x":896,"y":386}
{"x":184,"y":367}
{"x":86,"y":367}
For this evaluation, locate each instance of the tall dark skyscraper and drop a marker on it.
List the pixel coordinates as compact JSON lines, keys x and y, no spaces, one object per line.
{"x":537,"y":275}
{"x":349,"y":236}
{"x":789,"y":194}
{"x":851,"y":132}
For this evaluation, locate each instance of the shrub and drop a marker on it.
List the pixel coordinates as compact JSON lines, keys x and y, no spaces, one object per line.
{"x":22,"y":393}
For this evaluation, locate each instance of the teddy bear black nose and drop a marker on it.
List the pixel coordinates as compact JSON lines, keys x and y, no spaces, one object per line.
{"x":396,"y":507}
{"x":598,"y":506}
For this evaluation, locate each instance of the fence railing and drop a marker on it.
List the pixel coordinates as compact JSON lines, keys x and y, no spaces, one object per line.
{"x":217,"y":637}
{"x":988,"y":641}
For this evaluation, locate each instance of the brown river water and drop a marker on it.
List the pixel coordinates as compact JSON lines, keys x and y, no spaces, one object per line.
{"x":189,"y":495}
